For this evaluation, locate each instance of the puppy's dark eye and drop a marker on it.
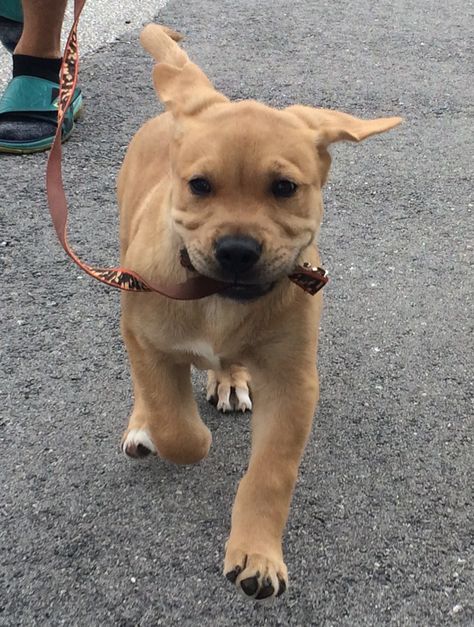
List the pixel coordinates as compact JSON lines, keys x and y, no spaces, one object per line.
{"x":284,"y":188}
{"x":200,"y":186}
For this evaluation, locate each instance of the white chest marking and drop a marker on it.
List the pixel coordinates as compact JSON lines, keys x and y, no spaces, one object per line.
{"x":203,"y":350}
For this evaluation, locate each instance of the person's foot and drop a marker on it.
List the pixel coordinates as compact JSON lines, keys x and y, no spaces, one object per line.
{"x":28,"y":106}
{"x":28,"y":115}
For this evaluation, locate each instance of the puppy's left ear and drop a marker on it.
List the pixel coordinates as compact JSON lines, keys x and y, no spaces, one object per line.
{"x":334,"y":126}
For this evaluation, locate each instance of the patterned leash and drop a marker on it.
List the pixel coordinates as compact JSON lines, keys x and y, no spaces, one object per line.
{"x":308,"y":278}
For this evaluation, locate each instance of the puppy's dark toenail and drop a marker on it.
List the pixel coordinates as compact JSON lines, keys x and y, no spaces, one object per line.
{"x":142,"y":451}
{"x":250,"y":586}
{"x":266,"y":590}
{"x":233,"y":574}
{"x":281,"y":587}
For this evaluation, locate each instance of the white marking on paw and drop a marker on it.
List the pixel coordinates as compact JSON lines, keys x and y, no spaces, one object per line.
{"x":243,"y":399}
{"x":136,"y":437}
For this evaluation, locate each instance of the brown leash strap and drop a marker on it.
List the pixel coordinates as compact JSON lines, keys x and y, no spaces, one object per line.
{"x":308,"y":278}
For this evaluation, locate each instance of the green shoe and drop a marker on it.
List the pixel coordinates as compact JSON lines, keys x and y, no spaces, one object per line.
{"x":28,"y":115}
{"x":11,"y":9}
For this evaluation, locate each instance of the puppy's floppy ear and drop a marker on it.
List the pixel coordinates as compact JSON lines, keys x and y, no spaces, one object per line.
{"x":333,"y":126}
{"x":185,"y":91}
{"x":182,"y":87}
{"x":160,"y":42}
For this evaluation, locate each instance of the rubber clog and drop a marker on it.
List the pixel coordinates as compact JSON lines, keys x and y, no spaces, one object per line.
{"x":30,"y":98}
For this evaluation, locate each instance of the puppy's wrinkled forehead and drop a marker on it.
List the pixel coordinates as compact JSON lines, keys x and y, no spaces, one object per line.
{"x":245,"y":140}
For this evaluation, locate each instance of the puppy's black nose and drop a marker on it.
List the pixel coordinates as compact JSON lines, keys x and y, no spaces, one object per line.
{"x":237,"y":254}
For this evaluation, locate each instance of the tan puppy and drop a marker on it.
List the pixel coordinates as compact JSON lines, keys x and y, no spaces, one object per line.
{"x":238,"y":186}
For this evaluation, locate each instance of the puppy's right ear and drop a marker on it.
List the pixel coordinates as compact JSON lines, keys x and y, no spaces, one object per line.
{"x":161,"y":43}
{"x":185,"y":91}
{"x":182,"y":87}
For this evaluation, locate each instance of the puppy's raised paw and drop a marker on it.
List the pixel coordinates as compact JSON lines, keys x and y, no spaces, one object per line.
{"x":229,"y":389}
{"x":137,"y":443}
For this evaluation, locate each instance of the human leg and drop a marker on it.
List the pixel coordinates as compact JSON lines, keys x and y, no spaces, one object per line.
{"x":28,"y":106}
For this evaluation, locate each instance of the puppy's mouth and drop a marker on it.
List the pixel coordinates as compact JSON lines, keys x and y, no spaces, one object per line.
{"x":244,"y":293}
{"x":237,"y":290}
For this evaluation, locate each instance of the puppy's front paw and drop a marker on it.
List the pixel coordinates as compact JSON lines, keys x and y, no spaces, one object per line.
{"x":137,"y":443}
{"x":257,"y":576}
{"x":229,"y":390}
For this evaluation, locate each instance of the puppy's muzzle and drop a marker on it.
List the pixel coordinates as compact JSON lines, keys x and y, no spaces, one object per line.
{"x":237,"y":255}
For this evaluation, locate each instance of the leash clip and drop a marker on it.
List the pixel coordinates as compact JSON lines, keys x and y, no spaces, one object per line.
{"x":310,"y":278}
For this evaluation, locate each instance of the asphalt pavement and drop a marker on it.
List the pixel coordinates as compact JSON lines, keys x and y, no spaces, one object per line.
{"x":381,"y":529}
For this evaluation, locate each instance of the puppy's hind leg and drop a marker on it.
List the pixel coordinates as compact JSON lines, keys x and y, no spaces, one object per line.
{"x":229,"y":389}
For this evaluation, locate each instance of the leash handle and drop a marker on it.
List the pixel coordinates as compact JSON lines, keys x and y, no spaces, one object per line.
{"x":310,"y":279}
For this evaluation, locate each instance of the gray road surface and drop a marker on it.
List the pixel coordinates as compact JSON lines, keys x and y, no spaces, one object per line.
{"x":381,"y":530}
